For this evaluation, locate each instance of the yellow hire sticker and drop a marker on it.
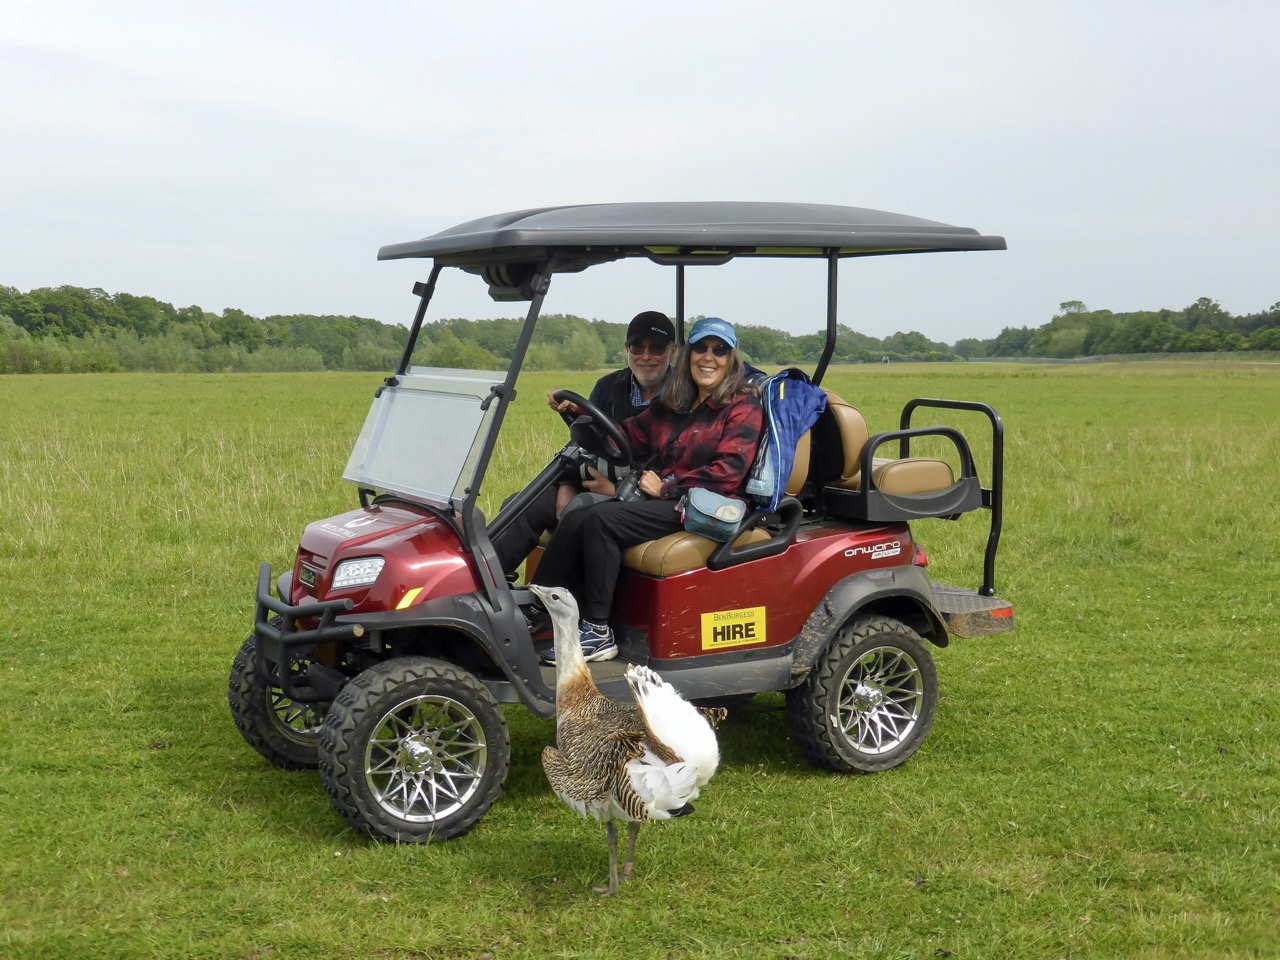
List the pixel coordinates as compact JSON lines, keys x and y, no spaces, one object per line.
{"x":732,"y":628}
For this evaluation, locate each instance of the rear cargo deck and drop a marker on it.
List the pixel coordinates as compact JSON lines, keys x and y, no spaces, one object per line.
{"x":969,"y":614}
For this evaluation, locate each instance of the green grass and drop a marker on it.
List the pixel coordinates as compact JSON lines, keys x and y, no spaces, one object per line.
{"x":1101,"y":783}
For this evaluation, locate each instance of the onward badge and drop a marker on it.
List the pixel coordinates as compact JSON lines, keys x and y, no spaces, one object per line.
{"x":878,"y":551}
{"x":732,"y":628}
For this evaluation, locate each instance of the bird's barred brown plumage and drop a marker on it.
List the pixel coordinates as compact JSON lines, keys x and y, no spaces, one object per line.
{"x":610,"y":760}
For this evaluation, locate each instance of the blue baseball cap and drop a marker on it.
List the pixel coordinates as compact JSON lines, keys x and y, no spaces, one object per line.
{"x":713,"y":327}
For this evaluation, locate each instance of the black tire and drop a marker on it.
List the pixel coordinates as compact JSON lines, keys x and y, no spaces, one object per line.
{"x":870,"y":699}
{"x":283,"y":730}
{"x":414,"y":750}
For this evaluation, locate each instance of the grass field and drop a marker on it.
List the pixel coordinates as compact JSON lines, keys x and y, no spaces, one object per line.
{"x":1101,"y":783}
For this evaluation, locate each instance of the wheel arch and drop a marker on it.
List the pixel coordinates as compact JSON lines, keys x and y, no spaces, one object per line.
{"x":463,"y":630}
{"x":902,"y":593}
{"x":444,"y":640}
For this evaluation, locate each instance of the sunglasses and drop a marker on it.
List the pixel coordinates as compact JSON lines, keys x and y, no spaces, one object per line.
{"x":639,"y":347}
{"x":702,"y":346}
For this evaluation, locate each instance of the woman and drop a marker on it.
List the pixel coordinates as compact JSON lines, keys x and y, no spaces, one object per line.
{"x":703,"y":433}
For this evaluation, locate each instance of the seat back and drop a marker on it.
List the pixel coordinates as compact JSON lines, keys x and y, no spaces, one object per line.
{"x":840,"y":434}
{"x":800,"y":465}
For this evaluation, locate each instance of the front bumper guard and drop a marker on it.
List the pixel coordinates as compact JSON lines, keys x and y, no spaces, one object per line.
{"x":276,"y":644}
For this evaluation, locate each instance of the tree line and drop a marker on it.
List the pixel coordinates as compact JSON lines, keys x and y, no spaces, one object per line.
{"x":76,"y":330}
{"x":1076,"y":331}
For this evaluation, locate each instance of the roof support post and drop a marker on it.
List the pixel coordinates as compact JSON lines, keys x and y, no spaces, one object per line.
{"x":478,"y":540}
{"x":679,"y":303}
{"x":423,"y":292}
{"x":833,"y":283}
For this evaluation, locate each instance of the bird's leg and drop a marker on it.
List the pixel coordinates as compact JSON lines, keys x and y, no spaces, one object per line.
{"x":633,"y":831}
{"x":611,"y":832}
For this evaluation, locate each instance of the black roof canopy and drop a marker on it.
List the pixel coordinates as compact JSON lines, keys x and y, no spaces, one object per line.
{"x":517,"y":252}
{"x":689,"y":232}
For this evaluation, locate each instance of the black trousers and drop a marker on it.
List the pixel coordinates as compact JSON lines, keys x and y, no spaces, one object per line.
{"x":585,"y":555}
{"x":526,"y":530}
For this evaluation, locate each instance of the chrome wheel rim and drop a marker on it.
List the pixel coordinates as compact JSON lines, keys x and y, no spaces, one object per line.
{"x":425,"y":758}
{"x":880,"y":699}
{"x":300,"y":722}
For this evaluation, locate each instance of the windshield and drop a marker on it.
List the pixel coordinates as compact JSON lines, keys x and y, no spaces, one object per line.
{"x":423,"y":436}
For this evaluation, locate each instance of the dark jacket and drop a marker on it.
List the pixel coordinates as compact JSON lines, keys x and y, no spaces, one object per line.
{"x":612,"y":394}
{"x":714,"y":450}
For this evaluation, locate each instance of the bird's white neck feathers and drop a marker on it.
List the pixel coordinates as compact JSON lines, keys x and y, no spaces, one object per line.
{"x":562,"y":607}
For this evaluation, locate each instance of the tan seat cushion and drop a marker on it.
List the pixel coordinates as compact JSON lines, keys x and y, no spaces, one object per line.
{"x":679,"y":552}
{"x":906,"y":477}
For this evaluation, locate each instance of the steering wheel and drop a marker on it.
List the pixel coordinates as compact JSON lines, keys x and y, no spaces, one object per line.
{"x":604,"y":438}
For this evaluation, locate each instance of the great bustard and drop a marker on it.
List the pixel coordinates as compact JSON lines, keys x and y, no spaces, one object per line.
{"x":616,"y":761}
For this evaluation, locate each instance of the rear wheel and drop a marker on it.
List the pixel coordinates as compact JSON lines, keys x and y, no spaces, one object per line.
{"x":870,"y":699}
{"x":414,"y":750}
{"x":283,"y":730}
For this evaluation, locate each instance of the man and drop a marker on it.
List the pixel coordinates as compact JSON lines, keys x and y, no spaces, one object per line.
{"x":651,"y":349}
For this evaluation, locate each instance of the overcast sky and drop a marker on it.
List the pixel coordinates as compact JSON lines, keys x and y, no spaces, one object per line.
{"x":257,"y":154}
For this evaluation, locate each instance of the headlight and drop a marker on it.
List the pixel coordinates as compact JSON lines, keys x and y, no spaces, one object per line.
{"x":357,"y":573}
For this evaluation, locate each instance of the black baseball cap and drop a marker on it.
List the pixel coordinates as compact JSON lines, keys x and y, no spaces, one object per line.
{"x":648,"y":325}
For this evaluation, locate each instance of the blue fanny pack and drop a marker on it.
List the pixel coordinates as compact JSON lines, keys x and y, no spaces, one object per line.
{"x":711,"y":514}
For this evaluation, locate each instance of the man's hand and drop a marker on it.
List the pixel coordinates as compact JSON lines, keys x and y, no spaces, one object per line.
{"x":559,"y":406}
{"x":598,"y":483}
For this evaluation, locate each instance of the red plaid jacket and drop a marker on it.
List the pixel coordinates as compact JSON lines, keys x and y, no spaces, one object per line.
{"x":715,"y":449}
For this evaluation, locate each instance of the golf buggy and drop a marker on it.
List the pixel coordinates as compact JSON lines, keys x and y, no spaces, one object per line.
{"x":384,"y":653}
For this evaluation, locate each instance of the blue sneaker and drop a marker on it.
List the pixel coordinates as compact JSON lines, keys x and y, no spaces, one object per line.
{"x":597,"y":643}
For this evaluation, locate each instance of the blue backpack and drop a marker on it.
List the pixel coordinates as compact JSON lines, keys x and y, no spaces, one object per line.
{"x":792,"y":404}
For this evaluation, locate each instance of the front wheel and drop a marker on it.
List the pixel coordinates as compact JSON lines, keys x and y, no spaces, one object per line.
{"x":414,"y":750}
{"x":869,"y":700}
{"x":283,"y":730}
